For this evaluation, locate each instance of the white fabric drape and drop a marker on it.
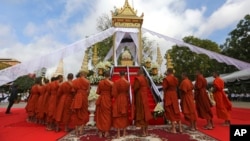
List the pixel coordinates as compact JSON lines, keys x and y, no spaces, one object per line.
{"x":119,"y":36}
{"x":134,"y":36}
{"x":213,"y":55}
{"x":49,"y":60}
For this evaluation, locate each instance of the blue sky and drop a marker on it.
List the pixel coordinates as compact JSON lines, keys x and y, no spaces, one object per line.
{"x":35,"y":27}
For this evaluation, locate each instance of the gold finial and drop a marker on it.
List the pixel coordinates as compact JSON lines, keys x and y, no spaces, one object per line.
{"x":85,"y":62}
{"x":169,"y":61}
{"x":159,"y":56}
{"x":95,"y":55}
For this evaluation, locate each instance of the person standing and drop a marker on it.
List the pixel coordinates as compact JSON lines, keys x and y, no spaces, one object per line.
{"x":39,"y":107}
{"x":171,"y":104}
{"x":32,"y":101}
{"x":12,"y":98}
{"x":120,"y":94}
{"x":203,"y":105}
{"x":187,"y":101}
{"x":79,"y":105}
{"x":63,"y":110}
{"x":103,"y":106}
{"x":223,"y":105}
{"x":53,"y":100}
{"x":142,"y":112}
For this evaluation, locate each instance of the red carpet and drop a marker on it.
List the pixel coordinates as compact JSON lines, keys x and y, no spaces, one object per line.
{"x":13,"y":127}
{"x":239,"y":116}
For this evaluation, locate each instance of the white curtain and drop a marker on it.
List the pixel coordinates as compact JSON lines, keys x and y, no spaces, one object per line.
{"x":134,"y":36}
{"x":119,"y":36}
{"x":213,"y":55}
{"x":51,"y":59}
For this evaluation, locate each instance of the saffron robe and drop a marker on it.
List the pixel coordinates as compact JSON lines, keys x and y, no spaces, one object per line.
{"x":120,"y":107}
{"x":79,"y":105}
{"x":103,"y":106}
{"x":39,"y":108}
{"x":187,"y":100}
{"x":171,"y":104}
{"x":31,"y":104}
{"x":52,"y":100}
{"x":142,"y":111}
{"x":63,"y":110}
{"x":46,"y":100}
{"x":223,"y":105}
{"x":203,"y":105}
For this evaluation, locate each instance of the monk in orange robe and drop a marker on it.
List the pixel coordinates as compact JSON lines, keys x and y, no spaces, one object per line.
{"x":142,"y":112}
{"x":187,"y":101}
{"x":203,"y":105}
{"x":103,"y":106}
{"x":171,"y":104}
{"x":39,"y":110}
{"x":223,"y":105}
{"x":53,"y":101}
{"x":32,"y":101}
{"x":46,"y":102}
{"x":120,"y":106}
{"x":80,"y":102}
{"x":63,"y":110}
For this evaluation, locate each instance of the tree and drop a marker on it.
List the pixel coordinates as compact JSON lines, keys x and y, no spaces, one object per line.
{"x":237,"y":45}
{"x":187,"y":61}
{"x":24,"y":83}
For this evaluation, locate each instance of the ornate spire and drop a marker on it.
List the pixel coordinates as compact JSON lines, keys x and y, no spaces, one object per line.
{"x":95,"y":56}
{"x":85,"y":62}
{"x":159,"y":57}
{"x":59,"y":69}
{"x":169,"y":61}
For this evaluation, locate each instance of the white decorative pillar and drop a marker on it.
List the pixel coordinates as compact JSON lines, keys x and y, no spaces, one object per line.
{"x":91,"y":105}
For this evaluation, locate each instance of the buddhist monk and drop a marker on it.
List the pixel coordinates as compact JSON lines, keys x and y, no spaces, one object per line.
{"x":39,"y":110}
{"x":142,"y":112}
{"x":120,"y":105}
{"x":223,"y":105}
{"x":53,"y":101}
{"x":203,"y":105}
{"x":80,"y":102}
{"x":32,"y":101}
{"x":103,"y":106}
{"x":46,"y":102}
{"x":187,"y":101}
{"x":171,"y":104}
{"x":63,"y":110}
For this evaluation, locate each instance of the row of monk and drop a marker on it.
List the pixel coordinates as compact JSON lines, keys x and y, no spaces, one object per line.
{"x":59,"y":103}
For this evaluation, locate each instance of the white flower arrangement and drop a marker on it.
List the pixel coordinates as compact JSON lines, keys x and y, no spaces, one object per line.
{"x":126,"y":55}
{"x":100,"y":65}
{"x":159,"y":107}
{"x":94,"y":79}
{"x":147,"y":60}
{"x":158,"y":110}
{"x":158,"y":79}
{"x":154,"y":65}
{"x":92,"y":95}
{"x":107,"y":64}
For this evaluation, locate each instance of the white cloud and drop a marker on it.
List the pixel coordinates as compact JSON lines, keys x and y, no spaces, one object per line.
{"x":7,"y":36}
{"x":230,"y":13}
